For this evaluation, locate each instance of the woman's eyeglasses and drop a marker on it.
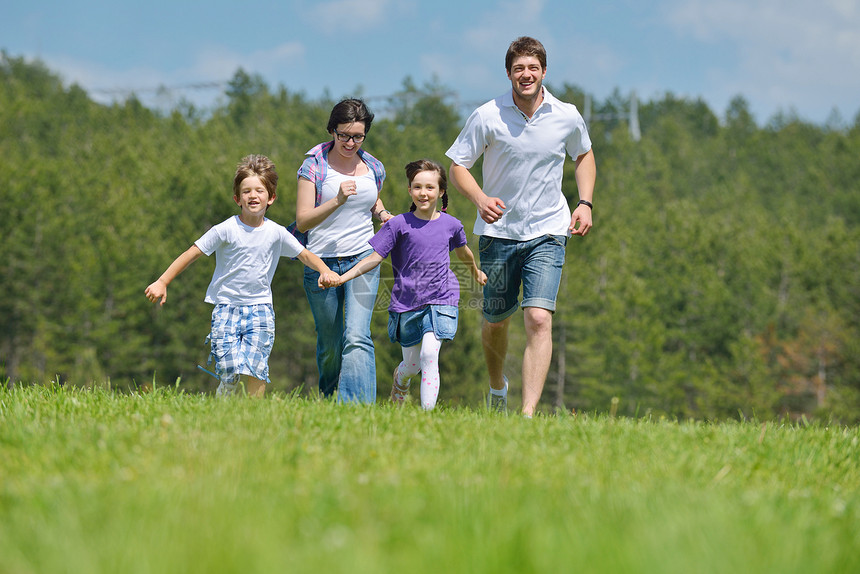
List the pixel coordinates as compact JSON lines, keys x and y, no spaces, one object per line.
{"x":346,"y":137}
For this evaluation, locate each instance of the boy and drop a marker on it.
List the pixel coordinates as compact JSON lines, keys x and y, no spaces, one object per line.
{"x":247,"y":248}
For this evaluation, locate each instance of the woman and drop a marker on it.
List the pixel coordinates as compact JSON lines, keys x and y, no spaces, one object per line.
{"x":338,"y":197}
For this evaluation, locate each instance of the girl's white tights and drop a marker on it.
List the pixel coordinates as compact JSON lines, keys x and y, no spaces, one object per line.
{"x":423,"y":357}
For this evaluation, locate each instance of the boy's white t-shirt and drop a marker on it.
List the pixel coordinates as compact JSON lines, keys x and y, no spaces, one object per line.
{"x":346,"y":231}
{"x":245,"y":260}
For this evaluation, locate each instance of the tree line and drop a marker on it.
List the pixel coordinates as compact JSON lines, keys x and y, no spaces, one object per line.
{"x":721,"y":280}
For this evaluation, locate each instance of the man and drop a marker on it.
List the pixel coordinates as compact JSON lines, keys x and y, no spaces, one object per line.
{"x":523,"y":217}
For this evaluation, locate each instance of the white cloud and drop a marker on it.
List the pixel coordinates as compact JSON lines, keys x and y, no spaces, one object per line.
{"x":789,"y":53}
{"x":348,"y":16}
{"x":475,"y":64}
{"x":592,"y":64}
{"x":497,"y":27}
{"x":210,"y":66}
{"x":220,"y":62}
{"x":453,"y":70}
{"x":101,"y":79}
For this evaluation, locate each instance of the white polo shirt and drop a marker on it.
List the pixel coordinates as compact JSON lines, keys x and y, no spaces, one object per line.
{"x":523,"y":163}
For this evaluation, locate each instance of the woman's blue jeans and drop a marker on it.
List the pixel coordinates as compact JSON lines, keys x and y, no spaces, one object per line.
{"x":345,"y":355}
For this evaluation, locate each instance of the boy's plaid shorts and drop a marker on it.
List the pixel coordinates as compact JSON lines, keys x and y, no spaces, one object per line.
{"x":241,"y":339}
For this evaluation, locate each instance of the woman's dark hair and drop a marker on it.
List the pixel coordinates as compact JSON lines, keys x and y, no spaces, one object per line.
{"x":348,"y":111}
{"x":413,"y":168}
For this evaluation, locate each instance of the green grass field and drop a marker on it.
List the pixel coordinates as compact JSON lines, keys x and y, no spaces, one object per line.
{"x":98,"y":481}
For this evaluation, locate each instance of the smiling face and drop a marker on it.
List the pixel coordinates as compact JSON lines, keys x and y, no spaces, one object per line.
{"x":526,"y":76}
{"x":253,"y":198}
{"x":425,"y":191}
{"x":347,"y":149}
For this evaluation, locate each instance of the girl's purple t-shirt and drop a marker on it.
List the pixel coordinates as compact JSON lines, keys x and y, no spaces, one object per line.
{"x":420,"y":258}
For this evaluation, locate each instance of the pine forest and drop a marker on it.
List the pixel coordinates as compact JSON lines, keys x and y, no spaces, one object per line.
{"x":721,"y":279}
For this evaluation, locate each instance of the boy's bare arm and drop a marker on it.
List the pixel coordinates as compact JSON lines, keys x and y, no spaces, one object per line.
{"x":158,"y":289}
{"x":327,"y":276}
{"x":465,"y":255}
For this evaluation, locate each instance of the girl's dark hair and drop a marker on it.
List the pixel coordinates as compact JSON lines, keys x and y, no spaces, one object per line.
{"x":348,"y":111}
{"x":413,"y":168}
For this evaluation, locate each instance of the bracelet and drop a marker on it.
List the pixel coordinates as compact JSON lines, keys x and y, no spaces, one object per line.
{"x":583,"y":202}
{"x":380,"y":212}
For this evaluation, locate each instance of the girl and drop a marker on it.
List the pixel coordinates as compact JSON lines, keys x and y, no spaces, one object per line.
{"x":423,"y":310}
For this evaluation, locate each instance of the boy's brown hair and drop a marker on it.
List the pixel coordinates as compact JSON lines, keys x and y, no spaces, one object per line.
{"x":258,"y":165}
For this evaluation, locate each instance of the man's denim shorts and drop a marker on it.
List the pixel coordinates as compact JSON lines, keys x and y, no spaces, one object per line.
{"x":408,"y":328}
{"x":536,"y":264}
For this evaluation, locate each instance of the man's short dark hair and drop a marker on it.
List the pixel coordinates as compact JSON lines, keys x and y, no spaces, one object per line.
{"x":525,"y":46}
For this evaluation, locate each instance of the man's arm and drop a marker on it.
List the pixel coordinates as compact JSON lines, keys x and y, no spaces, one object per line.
{"x":585,"y":174}
{"x":491,"y":209}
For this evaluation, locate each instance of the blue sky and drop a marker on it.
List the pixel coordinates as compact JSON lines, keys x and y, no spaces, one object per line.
{"x":800,"y":56}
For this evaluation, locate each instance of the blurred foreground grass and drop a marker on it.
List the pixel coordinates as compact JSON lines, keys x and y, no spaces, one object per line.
{"x":97,"y":481}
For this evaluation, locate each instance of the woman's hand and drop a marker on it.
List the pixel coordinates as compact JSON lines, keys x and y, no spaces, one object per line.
{"x":347,"y":189}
